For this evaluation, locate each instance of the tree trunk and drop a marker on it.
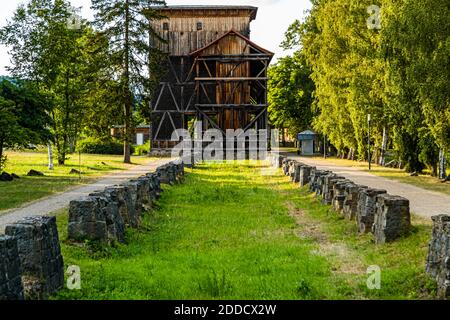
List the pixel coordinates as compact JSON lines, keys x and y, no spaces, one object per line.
{"x":50,"y":157}
{"x":1,"y":156}
{"x":349,"y":153}
{"x":442,"y":165}
{"x":383,"y":148}
{"x":434,"y":170}
{"x":127,"y":104}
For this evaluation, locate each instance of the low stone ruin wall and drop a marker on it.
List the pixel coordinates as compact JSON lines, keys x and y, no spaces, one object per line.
{"x":374,"y":211}
{"x":31,"y":264}
{"x":386,"y":216}
{"x":104,"y":215}
{"x":438,"y":260}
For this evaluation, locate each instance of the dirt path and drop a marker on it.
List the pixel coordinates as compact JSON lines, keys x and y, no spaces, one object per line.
{"x":423,"y":202}
{"x":60,"y":201}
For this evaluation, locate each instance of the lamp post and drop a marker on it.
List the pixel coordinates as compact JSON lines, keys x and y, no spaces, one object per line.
{"x":368,"y":140}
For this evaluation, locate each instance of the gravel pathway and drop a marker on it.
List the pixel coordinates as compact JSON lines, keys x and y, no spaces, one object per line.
{"x":423,"y":202}
{"x":60,"y":201}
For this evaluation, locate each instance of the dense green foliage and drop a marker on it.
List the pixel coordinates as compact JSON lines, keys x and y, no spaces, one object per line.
{"x":23,"y":117}
{"x":290,"y":94}
{"x":398,"y":72}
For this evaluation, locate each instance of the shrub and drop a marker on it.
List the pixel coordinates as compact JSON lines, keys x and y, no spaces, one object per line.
{"x":142,"y":150}
{"x":99,"y":146}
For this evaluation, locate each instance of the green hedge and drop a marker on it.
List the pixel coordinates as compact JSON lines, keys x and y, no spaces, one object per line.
{"x":98,"y":146}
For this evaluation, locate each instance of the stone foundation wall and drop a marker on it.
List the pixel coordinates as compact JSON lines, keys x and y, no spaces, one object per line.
{"x":104,"y":215}
{"x":386,"y":216}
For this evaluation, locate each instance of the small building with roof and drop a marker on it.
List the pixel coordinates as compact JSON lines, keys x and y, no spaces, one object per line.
{"x":308,"y":142}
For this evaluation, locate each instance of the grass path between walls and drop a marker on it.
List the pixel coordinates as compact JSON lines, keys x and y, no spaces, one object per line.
{"x":230,"y":232}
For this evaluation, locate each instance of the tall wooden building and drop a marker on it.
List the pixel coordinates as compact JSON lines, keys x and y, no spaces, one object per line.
{"x":215,"y":73}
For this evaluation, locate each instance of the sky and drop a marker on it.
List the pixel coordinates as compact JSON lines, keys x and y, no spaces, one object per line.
{"x":274,"y":17}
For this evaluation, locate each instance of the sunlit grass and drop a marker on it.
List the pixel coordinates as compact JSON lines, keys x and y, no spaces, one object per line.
{"x":26,"y":189}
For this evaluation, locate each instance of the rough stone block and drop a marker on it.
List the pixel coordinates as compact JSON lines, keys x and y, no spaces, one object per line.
{"x":87,"y":220}
{"x":339,"y":195}
{"x":285,"y":165}
{"x":297,"y":167}
{"x":316,"y":180}
{"x":365,"y":215}
{"x":351,"y":200}
{"x":10,"y":270}
{"x":119,"y":196}
{"x":327,"y":185}
{"x":155,"y":186}
{"x":305,"y":173}
{"x":276,"y":160}
{"x":40,"y":255}
{"x":438,"y":259}
{"x":109,"y":205}
{"x":164,"y":174}
{"x":392,"y":218}
{"x":134,"y":204}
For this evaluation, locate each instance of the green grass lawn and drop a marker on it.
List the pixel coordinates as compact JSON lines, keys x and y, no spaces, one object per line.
{"x":230,"y":233}
{"x":424,"y":181}
{"x":26,"y":189}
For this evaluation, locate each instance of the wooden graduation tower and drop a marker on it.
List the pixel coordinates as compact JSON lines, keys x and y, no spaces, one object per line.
{"x":215,"y":73}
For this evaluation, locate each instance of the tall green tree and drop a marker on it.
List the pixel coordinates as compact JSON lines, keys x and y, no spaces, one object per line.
{"x":126,"y":24}
{"x":396,"y":70}
{"x":102,"y":105}
{"x":290,"y":94}
{"x":45,"y":49}
{"x":415,"y":39}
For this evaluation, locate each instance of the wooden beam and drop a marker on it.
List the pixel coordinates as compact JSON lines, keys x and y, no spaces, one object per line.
{"x":233,"y":79}
{"x":232,"y":106}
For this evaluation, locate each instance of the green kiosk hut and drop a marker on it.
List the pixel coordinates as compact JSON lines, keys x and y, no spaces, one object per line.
{"x":307,"y":142}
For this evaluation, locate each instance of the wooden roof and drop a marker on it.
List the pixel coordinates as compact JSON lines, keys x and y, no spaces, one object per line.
{"x":207,"y":10}
{"x":233,"y":32}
